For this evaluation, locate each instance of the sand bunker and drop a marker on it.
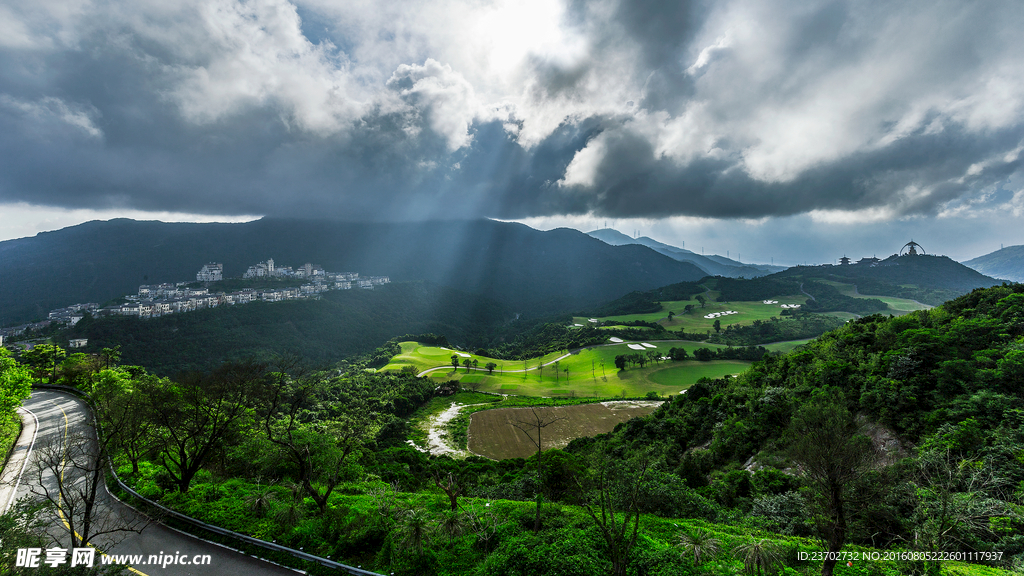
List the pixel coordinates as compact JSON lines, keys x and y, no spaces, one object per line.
{"x":615,"y":340}
{"x":635,"y":347}
{"x":717,"y":314}
{"x":790,"y":306}
{"x":771,"y":301}
{"x":646,"y":345}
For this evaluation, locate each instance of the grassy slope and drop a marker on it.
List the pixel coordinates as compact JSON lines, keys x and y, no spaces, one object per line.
{"x":586,"y":377}
{"x":695,"y":320}
{"x":897,"y":306}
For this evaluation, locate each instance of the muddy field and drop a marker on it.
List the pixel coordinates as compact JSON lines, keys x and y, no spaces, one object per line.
{"x":492,"y":434}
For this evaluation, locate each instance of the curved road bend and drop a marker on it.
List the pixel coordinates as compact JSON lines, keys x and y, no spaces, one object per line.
{"x":60,"y":413}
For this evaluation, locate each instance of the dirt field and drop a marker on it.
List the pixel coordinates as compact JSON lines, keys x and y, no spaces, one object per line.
{"x":492,"y":434}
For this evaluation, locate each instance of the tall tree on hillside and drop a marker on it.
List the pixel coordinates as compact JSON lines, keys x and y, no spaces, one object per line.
{"x":611,"y":492}
{"x":701,"y":299}
{"x":455,"y":361}
{"x":318,"y":444}
{"x":124,"y":411}
{"x":44,"y":360}
{"x":195,"y":417}
{"x":826,"y":442}
{"x":531,"y":424}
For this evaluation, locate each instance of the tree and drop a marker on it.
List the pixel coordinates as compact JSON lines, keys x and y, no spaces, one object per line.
{"x":670,"y":315}
{"x":955,"y":501}
{"x":124,"y":412}
{"x":110,"y":356}
{"x":301,"y":418}
{"x":701,"y":299}
{"x":832,"y":453}
{"x":451,"y":487}
{"x":717,"y":325}
{"x":455,"y":361}
{"x":69,"y":474}
{"x":194,"y":418}
{"x":15,"y":383}
{"x":611,"y":494}
{"x":490,"y":367}
{"x":758,"y":555}
{"x":620,"y":362}
{"x":556,"y":370}
{"x":467,"y":363}
{"x":44,"y":359}
{"x":700,"y":544}
{"x":537,"y":422}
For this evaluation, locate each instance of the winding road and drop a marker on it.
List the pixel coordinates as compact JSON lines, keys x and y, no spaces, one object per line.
{"x":50,"y":416}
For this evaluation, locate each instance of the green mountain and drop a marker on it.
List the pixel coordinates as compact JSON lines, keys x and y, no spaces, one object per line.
{"x":937,"y":393}
{"x":713,"y":265}
{"x":929,"y":279}
{"x":1005,"y":263}
{"x":531,"y":271}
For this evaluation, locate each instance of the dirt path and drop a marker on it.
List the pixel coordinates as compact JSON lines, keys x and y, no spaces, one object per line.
{"x":437,"y":438}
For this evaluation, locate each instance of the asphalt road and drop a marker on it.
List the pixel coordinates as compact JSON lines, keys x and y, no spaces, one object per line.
{"x":50,"y":415}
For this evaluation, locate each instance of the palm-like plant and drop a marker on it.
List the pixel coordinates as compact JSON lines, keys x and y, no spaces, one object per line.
{"x":452,"y":524}
{"x":258,"y":501}
{"x":416,"y":528}
{"x":699,"y":543}
{"x":758,"y":555}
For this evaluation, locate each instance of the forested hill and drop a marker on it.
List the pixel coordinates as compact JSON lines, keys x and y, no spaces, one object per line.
{"x":944,"y":387}
{"x":929,"y":279}
{"x":529,"y":270}
{"x":338,"y":325}
{"x":1003,"y":263}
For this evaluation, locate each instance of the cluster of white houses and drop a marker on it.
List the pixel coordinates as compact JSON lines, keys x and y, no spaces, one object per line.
{"x":154,"y":300}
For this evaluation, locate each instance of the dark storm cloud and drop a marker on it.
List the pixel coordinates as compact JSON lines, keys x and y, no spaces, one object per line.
{"x":732,"y":109}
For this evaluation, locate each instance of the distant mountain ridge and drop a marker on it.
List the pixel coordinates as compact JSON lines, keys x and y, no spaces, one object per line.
{"x":1007,"y":263}
{"x":929,"y":279}
{"x":714,"y":265}
{"x":528,"y":270}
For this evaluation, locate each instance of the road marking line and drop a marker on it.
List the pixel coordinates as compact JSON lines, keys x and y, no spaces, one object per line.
{"x":14,"y":489}
{"x":59,"y":497}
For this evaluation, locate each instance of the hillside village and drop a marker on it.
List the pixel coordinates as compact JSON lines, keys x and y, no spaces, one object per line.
{"x":155,"y":300}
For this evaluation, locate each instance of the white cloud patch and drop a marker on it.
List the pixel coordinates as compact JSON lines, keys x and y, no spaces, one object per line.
{"x":56,"y":114}
{"x":444,"y":96}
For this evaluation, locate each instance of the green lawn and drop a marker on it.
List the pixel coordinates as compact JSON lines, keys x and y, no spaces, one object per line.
{"x":695,"y":320}
{"x":897,"y":306}
{"x":591,"y":371}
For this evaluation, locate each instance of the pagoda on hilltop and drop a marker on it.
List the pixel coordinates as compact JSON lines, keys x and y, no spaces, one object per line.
{"x":844,"y":261}
{"x":912,"y":249}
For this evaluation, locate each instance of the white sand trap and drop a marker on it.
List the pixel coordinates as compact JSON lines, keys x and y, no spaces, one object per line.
{"x":771,"y":301}
{"x":615,"y":340}
{"x":592,"y":320}
{"x":577,"y":325}
{"x":646,"y":345}
{"x":790,"y":306}
{"x":635,"y":347}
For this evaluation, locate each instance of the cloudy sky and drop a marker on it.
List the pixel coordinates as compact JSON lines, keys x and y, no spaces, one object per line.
{"x":797,"y":131}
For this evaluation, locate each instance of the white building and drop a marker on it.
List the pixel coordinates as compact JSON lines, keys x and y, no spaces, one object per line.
{"x":212,"y":272}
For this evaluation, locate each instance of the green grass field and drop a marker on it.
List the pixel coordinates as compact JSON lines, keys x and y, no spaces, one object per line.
{"x":591,"y":371}
{"x":695,"y":320}
{"x":897,"y":306}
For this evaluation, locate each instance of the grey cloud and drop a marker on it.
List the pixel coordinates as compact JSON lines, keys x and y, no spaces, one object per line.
{"x":795,"y":108}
